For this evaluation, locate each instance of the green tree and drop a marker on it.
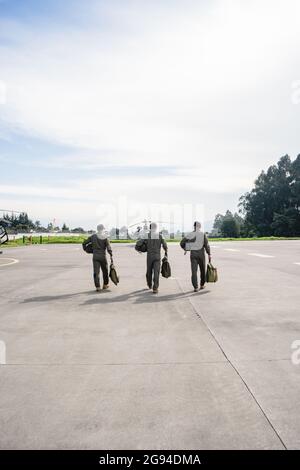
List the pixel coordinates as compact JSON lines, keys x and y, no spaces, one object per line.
{"x":20,"y":223}
{"x":218,"y":222}
{"x":272,"y":206}
{"x":230,"y":227}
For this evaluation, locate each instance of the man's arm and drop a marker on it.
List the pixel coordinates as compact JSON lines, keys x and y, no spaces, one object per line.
{"x":87,"y":240}
{"x":183,"y":243}
{"x":108,"y":247}
{"x":165,"y":246}
{"x":207,"y":247}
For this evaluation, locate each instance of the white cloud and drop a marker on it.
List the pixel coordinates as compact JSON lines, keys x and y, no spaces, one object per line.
{"x":201,"y":85}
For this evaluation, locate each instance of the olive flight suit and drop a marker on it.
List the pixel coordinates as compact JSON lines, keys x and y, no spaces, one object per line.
{"x":154,"y":243}
{"x":100,"y":245}
{"x":197,"y":244}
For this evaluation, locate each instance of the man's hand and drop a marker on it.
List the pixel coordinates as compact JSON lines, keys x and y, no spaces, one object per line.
{"x":209,"y":258}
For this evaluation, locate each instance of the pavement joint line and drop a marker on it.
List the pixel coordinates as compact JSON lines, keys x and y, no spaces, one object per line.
{"x":231,"y":249}
{"x":109,"y":364}
{"x":260,"y":255}
{"x":297,"y":263}
{"x":235,"y":369}
{"x":264,"y":360}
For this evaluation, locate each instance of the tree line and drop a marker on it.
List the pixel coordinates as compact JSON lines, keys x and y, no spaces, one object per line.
{"x":22,"y":223}
{"x":271,"y":208}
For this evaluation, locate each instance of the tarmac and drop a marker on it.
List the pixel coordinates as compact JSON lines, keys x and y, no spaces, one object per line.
{"x":127,"y":369}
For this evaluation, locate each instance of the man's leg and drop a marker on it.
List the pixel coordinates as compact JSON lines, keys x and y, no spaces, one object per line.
{"x":202,"y":270}
{"x":156,"y":271}
{"x":194,"y":268}
{"x":96,"y":266}
{"x":104,"y":269}
{"x":149,"y":272}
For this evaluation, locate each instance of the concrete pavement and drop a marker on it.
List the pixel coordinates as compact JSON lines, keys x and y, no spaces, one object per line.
{"x":125,"y":369}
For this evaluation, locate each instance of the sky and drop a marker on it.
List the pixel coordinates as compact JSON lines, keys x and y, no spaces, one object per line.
{"x":151,"y":103}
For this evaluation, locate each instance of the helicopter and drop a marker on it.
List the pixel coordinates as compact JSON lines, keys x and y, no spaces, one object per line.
{"x":3,"y":224}
{"x":3,"y":232}
{"x":143,"y":227}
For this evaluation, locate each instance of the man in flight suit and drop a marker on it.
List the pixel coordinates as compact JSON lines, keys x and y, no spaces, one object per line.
{"x":196,"y":242}
{"x":100,"y":245}
{"x":154,"y":243}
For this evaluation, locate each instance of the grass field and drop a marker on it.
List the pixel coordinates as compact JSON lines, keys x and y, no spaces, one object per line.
{"x":67,"y":239}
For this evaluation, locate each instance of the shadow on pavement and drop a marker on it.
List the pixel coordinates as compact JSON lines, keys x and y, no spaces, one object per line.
{"x":49,"y":298}
{"x":141,"y":296}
